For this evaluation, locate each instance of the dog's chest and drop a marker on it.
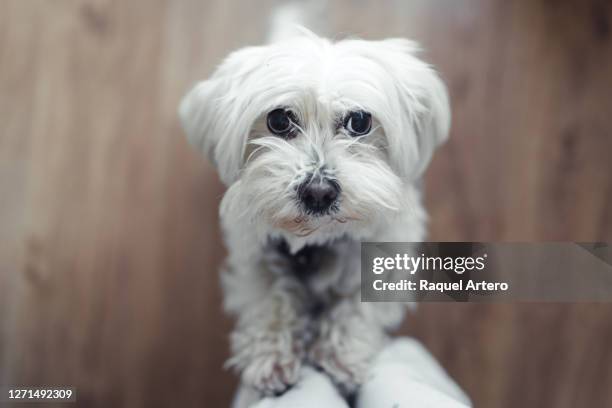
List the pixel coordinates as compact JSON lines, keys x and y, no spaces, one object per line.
{"x":323,"y":270}
{"x":308,"y":262}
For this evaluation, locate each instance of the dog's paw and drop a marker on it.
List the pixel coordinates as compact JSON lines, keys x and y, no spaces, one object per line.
{"x":269,"y":362}
{"x":271,"y":373}
{"x":346,"y":356}
{"x":347,"y":371}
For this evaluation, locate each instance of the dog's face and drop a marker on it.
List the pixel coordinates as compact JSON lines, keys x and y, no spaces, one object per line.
{"x":317,"y":139}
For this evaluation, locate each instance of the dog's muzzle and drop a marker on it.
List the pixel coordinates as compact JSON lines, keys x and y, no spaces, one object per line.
{"x":319,"y":195}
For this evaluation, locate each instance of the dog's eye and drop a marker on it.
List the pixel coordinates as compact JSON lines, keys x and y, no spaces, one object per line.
{"x":358,"y":123}
{"x":282,"y":122}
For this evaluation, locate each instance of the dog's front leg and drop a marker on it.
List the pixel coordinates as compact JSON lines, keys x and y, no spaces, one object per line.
{"x":266,"y":343}
{"x":350,"y":336}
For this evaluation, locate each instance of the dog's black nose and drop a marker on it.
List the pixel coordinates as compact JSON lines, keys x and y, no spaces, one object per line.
{"x":318,"y":195}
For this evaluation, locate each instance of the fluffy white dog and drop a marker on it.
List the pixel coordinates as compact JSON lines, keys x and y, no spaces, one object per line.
{"x":322,"y":145}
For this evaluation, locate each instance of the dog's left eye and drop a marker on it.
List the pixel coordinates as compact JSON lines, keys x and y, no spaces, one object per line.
{"x":282,"y":122}
{"x":358,"y":123}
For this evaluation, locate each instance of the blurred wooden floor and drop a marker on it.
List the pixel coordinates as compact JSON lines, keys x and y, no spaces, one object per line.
{"x":109,"y":241}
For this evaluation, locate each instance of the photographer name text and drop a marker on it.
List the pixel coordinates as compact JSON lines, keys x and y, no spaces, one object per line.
{"x":409,"y":265}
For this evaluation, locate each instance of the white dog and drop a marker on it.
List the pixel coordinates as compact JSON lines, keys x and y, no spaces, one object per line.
{"x":322,"y":145}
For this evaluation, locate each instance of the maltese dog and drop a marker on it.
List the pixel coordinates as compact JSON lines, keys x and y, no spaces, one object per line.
{"x":322,"y":144}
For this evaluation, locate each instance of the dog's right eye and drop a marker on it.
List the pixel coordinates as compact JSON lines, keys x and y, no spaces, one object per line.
{"x":282,"y":122}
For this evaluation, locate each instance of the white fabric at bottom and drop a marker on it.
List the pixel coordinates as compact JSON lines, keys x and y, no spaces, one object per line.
{"x":404,"y":375}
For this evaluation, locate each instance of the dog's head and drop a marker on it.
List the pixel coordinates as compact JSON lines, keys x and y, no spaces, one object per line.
{"x":318,"y":139}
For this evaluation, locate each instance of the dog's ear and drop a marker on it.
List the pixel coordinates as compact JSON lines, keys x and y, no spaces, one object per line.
{"x":423,"y":113}
{"x":217,"y":114}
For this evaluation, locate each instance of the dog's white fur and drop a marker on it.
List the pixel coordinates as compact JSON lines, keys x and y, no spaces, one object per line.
{"x":379,"y":175}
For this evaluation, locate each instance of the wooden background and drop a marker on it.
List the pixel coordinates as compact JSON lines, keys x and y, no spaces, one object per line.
{"x":109,"y":240}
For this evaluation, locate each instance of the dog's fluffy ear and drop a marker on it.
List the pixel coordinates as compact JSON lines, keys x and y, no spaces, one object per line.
{"x":217,"y":114}
{"x":423,"y":107}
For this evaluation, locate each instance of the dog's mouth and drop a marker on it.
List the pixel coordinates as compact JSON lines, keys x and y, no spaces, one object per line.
{"x":305,"y":225}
